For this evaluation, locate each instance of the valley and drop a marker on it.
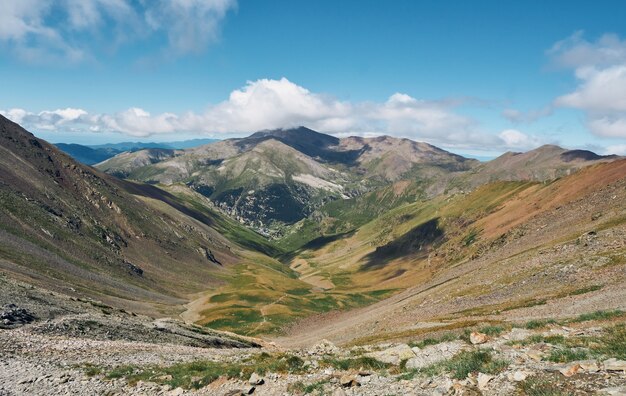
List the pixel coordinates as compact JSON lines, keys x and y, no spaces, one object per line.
{"x":316,"y":262}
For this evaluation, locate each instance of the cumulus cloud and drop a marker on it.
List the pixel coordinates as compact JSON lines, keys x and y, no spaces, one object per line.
{"x":619,"y":149}
{"x":74,"y":30}
{"x":271,"y":104}
{"x":515,"y":139}
{"x":600,"y":69}
{"x":575,"y":51}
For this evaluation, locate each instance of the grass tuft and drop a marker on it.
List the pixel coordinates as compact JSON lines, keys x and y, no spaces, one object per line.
{"x":564,"y":355}
{"x":540,"y":387}
{"x":362,"y":362}
{"x":434,"y":340}
{"x":599,"y":315}
{"x":539,"y":324}
{"x":467,"y":362}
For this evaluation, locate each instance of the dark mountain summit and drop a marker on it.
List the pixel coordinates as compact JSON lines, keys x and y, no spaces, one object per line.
{"x":314,"y":144}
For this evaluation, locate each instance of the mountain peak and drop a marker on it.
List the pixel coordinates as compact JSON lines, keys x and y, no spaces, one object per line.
{"x":300,"y":133}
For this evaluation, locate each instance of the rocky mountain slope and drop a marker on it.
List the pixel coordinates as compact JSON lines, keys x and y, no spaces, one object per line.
{"x":425,"y":281}
{"x":273,"y":180}
{"x":547,"y":162}
{"x":72,"y":229}
{"x":283,"y":176}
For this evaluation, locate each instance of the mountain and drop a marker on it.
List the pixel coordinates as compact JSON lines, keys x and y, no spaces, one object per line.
{"x":86,"y":154}
{"x":297,"y":185}
{"x":134,"y":146}
{"x":506,"y":251}
{"x":110,"y":249}
{"x":272,"y":178}
{"x":70,"y":228}
{"x":543,"y":163}
{"x":90,"y":155}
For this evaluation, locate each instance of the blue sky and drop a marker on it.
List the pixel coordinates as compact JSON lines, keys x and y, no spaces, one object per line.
{"x":474,"y":77}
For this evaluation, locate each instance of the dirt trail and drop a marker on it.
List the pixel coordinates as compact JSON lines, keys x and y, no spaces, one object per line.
{"x":195,"y":306}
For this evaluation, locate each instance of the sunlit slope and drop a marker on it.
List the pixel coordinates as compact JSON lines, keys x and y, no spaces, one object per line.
{"x":507,"y":250}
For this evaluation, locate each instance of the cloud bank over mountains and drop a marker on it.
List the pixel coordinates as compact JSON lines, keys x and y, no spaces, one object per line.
{"x":271,"y":104}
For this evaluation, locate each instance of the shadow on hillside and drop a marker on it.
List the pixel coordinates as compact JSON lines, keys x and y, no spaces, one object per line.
{"x":314,"y":244}
{"x":324,"y":240}
{"x":416,"y":242}
{"x":149,"y":191}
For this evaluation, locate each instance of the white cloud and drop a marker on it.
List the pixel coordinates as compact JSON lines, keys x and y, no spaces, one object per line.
{"x":576,"y":52}
{"x":271,"y":104}
{"x":515,"y":139}
{"x":619,"y":149}
{"x":75,"y":30}
{"x":190,"y":24}
{"x":600,"y":70}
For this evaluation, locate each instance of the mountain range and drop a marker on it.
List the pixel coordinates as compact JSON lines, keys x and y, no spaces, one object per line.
{"x":288,"y":237}
{"x":274,"y":179}
{"x":93,"y":154}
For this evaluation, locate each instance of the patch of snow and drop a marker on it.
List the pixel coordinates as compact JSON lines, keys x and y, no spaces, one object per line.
{"x":316,"y":182}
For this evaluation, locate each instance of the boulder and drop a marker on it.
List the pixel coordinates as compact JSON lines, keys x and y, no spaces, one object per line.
{"x":393,"y":355}
{"x":614,"y":365}
{"x":324,"y":347}
{"x":349,"y":381}
{"x":478,"y":338}
{"x":256,"y":379}
{"x":434,"y":354}
{"x":590,"y":366}
{"x":614,"y":391}
{"x":518,"y":376}
{"x":483,"y":380}
{"x":570,"y":369}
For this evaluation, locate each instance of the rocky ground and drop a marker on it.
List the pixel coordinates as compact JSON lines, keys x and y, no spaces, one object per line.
{"x":580,"y":357}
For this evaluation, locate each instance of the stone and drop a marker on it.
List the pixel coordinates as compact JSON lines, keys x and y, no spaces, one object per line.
{"x":570,"y":369}
{"x":535,"y":355}
{"x":248,"y":391}
{"x":348,"y":381}
{"x":393,"y":355}
{"x":256,"y":379}
{"x":614,"y":365}
{"x":519,"y":376}
{"x":434,"y":353}
{"x":590,"y":366}
{"x":478,"y":338}
{"x":483,"y":380}
{"x":364,"y":379}
{"x":324,"y":347}
{"x":176,"y":392}
{"x":613,"y":391}
{"x":339,"y":392}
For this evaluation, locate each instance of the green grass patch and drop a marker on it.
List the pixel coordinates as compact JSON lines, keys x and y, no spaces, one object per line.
{"x":300,"y":387}
{"x":540,"y":387}
{"x":198,"y":374}
{"x":447,"y":337}
{"x":467,"y":362}
{"x":539,"y":323}
{"x":492,"y":330}
{"x":599,"y":315}
{"x":564,"y":355}
{"x":613,"y":342}
{"x":360,"y":363}
{"x":583,"y":290}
